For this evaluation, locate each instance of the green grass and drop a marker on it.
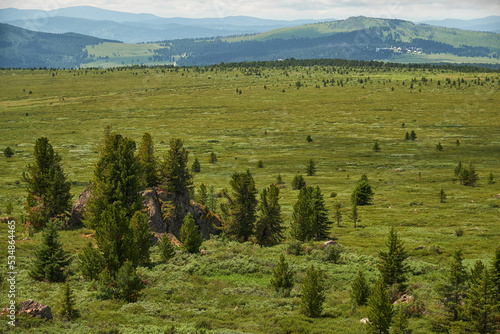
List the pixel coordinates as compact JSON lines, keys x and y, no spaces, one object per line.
{"x":226,"y":291}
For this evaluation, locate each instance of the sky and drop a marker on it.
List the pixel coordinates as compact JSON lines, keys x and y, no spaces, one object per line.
{"x":413,"y":10}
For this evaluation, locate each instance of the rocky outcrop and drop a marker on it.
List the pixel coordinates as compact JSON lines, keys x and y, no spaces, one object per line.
{"x":77,"y":211}
{"x":35,"y":309}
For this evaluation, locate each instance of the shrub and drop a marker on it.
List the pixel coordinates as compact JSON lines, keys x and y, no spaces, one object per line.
{"x":333,"y":253}
{"x":294,"y":247}
{"x":8,"y":152}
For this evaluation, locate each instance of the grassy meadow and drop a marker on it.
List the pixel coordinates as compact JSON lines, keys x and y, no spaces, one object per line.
{"x":249,"y":114}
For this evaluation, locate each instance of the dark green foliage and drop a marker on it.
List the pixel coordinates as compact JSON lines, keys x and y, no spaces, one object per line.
{"x":294,"y":247}
{"x":282,"y":279}
{"x":467,"y":176}
{"x":50,"y":259}
{"x":439,"y":147}
{"x":167,"y":249}
{"x":196,"y":166}
{"x":482,"y":308}
{"x":413,"y":135}
{"x":175,"y":174}
{"x":458,"y":169}
{"x":310,"y":216}
{"x":363,"y":193}
{"x":9,"y":208}
{"x":149,"y":163}
{"x":190,"y":237}
{"x":400,"y":322}
{"x":360,"y":291}
{"x":269,"y":227}
{"x":354,"y":215}
{"x":212,"y":158}
{"x":128,"y":284}
{"x":376,"y":146}
{"x":333,"y":253}
{"x":311,"y":168}
{"x":337,"y":212}
{"x":491,"y":178}
{"x":212,"y":200}
{"x":240,"y":209}
{"x":260,"y":164}
{"x":279,"y":179}
{"x":309,"y":139}
{"x":313,"y":293}
{"x":392,"y":266}
{"x":117,"y":178}
{"x":298,"y":182}
{"x":442,"y":196}
{"x":48,"y":186}
{"x":143,"y":239}
{"x":380,"y":310}
{"x":90,"y":262}
{"x":106,"y":285}
{"x":476,"y":273}
{"x":495,"y":273}
{"x":407,"y":136}
{"x":68,"y":310}
{"x":202,"y":197}
{"x":455,"y":286}
{"x":8,"y":152}
{"x":115,"y":237}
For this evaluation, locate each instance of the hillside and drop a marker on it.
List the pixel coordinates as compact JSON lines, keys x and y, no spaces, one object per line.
{"x":490,"y":23}
{"x":25,"y":48}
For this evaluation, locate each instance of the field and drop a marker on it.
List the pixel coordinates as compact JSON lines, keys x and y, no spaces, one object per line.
{"x":246,"y":114}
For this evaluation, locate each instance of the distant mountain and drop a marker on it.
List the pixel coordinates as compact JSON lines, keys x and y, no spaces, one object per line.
{"x":490,"y":24}
{"x":135,"y":28}
{"x":24,"y":48}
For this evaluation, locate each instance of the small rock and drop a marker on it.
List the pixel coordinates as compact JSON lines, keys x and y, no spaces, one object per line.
{"x":419,"y":248}
{"x":329,"y":242}
{"x":35,"y":309}
{"x":398,"y":170}
{"x":365,"y":321}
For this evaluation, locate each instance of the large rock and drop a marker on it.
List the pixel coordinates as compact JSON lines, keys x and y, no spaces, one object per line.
{"x":77,"y":211}
{"x":35,"y":309}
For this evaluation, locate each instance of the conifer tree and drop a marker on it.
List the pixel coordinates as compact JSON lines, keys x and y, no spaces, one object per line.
{"x":491,"y":178}
{"x":455,"y":287}
{"x":482,"y":308}
{"x":90,"y":262}
{"x":212,"y":201}
{"x":363,"y":193}
{"x":128,"y":284}
{"x":279,"y":179}
{"x":311,"y":168}
{"x":407,"y":136}
{"x":360,"y":291}
{"x":8,"y":152}
{"x":167,"y":249}
{"x":196,"y":166}
{"x":476,"y":273}
{"x":190,"y":237}
{"x":442,"y":196}
{"x":376,"y":146}
{"x":240,"y":209}
{"x":176,"y":176}
{"x":68,"y":310}
{"x":269,"y":226}
{"x":354,"y":215}
{"x":313,"y":293}
{"x":467,"y":176}
{"x":495,"y":273}
{"x":298,"y":182}
{"x":392,"y":266}
{"x":282,"y":280}
{"x":117,"y":178}
{"x":149,"y":163}
{"x":337,"y":207}
{"x":458,"y":169}
{"x":50,"y":259}
{"x":413,"y":135}
{"x":48,"y":186}
{"x":212,"y":158}
{"x":380,"y":310}
{"x":202,"y":194}
{"x":143,"y":239}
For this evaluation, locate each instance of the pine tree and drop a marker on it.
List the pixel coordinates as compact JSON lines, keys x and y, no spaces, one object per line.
{"x":459,"y":168}
{"x":149,"y":163}
{"x":491,"y":178}
{"x":68,"y":310}
{"x":202,"y":195}
{"x":176,"y":176}
{"x":298,"y":182}
{"x":128,"y":284}
{"x":439,"y":147}
{"x":468,"y":176}
{"x":196,"y":166}
{"x":481,"y":306}
{"x":392,"y":266}
{"x":269,"y":227}
{"x":313,"y":293}
{"x":455,"y":287}
{"x":442,"y":196}
{"x":400,"y":322}
{"x":90,"y":262}
{"x":279,"y":179}
{"x":240,"y":209}
{"x":407,"y":136}
{"x":117,"y":178}
{"x":476,"y":273}
{"x":495,"y":273}
{"x":48,"y":186}
{"x":190,"y":237}
{"x":363,"y":193}
{"x":167,"y":249}
{"x":321,"y":222}
{"x":142,"y":238}
{"x":282,"y":279}
{"x":380,"y":310}
{"x":360,"y":291}
{"x":50,"y":259}
{"x":311,"y":168}
{"x":337,"y":207}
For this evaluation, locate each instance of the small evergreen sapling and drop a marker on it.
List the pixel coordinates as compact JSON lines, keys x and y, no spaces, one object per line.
{"x":8,"y":152}
{"x":298,"y":182}
{"x":68,"y":310}
{"x":269,"y":226}
{"x":202,"y":197}
{"x":360,"y":291}
{"x":90,"y":262}
{"x":337,"y":212}
{"x":149,"y":163}
{"x":392,"y":263}
{"x":363,"y":193}
{"x":190,"y":238}
{"x":282,"y":280}
{"x":128,"y":284}
{"x":313,"y":293}
{"x":380,"y":310}
{"x":196,"y":166}
{"x":311,"y":168}
{"x":166,"y":248}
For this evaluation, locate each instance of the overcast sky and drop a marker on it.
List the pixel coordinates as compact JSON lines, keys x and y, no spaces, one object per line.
{"x":414,"y":10}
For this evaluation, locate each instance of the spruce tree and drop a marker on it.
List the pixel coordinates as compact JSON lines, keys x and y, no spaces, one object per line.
{"x":313,"y":293}
{"x":175,"y":173}
{"x":298,"y":182}
{"x":190,"y":237}
{"x":282,"y":279}
{"x":128,"y":284}
{"x":495,"y":273}
{"x":413,"y":135}
{"x":212,"y":200}
{"x":48,"y":187}
{"x":363,"y":193}
{"x":196,"y":166}
{"x":117,"y":179}
{"x":380,"y":310}
{"x":311,"y":168}
{"x":142,"y":238}
{"x":240,"y":209}
{"x":68,"y":310}
{"x":310,"y":216}
{"x":202,"y":195}
{"x":360,"y":291}
{"x":212,"y":158}
{"x":392,"y":266}
{"x":468,"y":176}
{"x":482,"y":308}
{"x":476,"y":273}
{"x":442,"y":196}
{"x":269,"y":227}
{"x":166,"y":248}
{"x":455,"y":287}
{"x":90,"y":262}
{"x":491,"y":178}
{"x":149,"y":163}
{"x":50,"y":259}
